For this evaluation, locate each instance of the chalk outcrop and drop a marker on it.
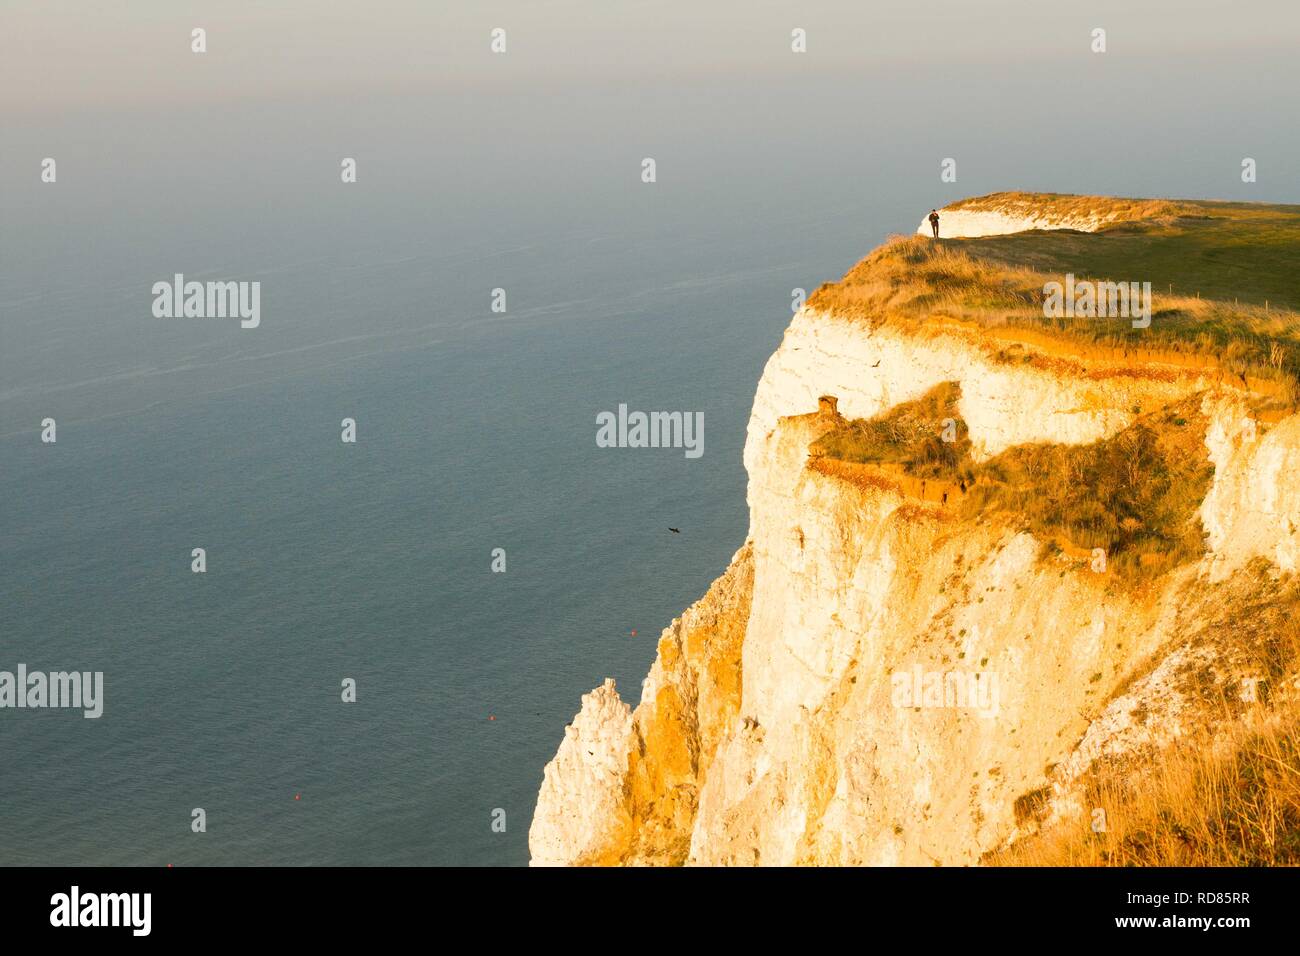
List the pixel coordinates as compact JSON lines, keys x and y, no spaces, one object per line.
{"x":587,"y":776}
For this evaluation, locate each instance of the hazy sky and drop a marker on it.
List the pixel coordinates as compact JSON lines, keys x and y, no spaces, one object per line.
{"x":64,"y":54}
{"x":159,"y":148}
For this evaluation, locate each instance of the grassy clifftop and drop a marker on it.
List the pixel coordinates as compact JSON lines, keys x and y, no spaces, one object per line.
{"x":1242,"y":252}
{"x":1068,"y":206}
{"x":1225,"y":280}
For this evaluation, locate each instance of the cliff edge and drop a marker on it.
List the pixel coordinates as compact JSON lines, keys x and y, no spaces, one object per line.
{"x":1003,"y":566}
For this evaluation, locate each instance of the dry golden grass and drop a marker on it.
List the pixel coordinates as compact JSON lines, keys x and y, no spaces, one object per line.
{"x":1109,"y":208}
{"x":1233,"y":804}
{"x":1230,"y":798}
{"x":917,"y":283}
{"x":1136,"y":494}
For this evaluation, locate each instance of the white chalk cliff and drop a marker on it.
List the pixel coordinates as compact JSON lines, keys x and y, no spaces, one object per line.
{"x":766,"y":731}
{"x":970,"y":223}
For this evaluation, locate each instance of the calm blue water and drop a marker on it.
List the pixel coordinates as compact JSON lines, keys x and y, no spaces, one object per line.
{"x":476,"y":430}
{"x":371,"y":561}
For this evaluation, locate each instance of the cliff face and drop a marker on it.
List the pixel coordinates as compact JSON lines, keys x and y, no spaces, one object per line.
{"x":877,"y":679}
{"x":624,"y":787}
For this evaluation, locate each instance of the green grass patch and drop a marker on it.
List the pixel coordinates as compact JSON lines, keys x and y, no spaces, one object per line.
{"x":1231,"y":252}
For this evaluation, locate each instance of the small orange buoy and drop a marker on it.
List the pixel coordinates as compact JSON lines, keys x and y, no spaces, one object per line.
{"x":634,"y":632}
{"x":492,"y":717}
{"x":297,"y":796}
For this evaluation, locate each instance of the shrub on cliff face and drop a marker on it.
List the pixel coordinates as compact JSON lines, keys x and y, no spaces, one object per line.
{"x":911,"y":434}
{"x":1136,"y":494}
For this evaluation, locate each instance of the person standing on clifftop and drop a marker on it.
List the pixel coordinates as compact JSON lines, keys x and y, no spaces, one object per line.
{"x":934,"y":222}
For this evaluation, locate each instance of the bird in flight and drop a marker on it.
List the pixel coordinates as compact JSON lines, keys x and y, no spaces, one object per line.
{"x":675,"y":530}
{"x":877,"y":363}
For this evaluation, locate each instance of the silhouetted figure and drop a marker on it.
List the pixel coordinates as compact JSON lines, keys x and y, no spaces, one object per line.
{"x":934,"y":222}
